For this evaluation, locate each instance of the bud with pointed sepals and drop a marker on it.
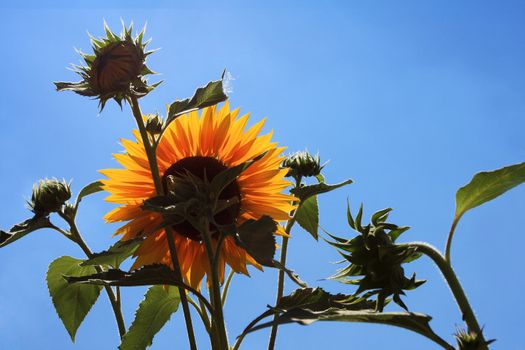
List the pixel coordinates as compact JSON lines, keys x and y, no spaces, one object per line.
{"x":116,"y":69}
{"x":375,"y":256}
{"x":302,"y":164}
{"x":470,"y":340}
{"x":49,"y":195}
{"x":154,"y":124}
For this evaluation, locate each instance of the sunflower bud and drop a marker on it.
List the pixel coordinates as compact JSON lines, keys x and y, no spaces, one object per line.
{"x":374,"y":255}
{"x":154,"y":124}
{"x":116,"y":69}
{"x":470,"y":340}
{"x":302,"y":164}
{"x":49,"y":195}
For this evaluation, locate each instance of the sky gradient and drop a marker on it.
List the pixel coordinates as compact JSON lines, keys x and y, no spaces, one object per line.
{"x":409,"y":99}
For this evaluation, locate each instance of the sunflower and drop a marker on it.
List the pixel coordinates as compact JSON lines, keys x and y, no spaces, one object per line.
{"x":202,"y":146}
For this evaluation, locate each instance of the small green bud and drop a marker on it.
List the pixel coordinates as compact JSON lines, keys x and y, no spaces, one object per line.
{"x":302,"y":164}
{"x":470,"y":340}
{"x":49,"y":195}
{"x":154,"y":124}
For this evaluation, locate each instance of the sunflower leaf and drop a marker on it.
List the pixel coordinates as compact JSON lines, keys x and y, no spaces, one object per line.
{"x":89,"y":189}
{"x":486,"y":186}
{"x":72,"y":302}
{"x":25,"y":227}
{"x":308,"y":305}
{"x":308,"y":216}
{"x":306,"y":192}
{"x":115,"y":255}
{"x":205,"y":96}
{"x":257,"y":238}
{"x":154,"y":311}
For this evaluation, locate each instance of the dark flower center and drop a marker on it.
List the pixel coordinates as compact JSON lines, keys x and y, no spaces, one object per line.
{"x":205,"y":167}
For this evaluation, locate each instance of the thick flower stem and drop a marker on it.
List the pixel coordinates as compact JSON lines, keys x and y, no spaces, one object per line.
{"x":152,"y":159}
{"x":280,"y":278}
{"x":454,"y":285}
{"x":76,"y":237}
{"x":218,"y":325}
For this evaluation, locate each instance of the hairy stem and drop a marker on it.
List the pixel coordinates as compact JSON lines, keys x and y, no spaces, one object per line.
{"x":227,"y":287}
{"x":448,"y":246}
{"x":215,"y":291}
{"x":152,"y":159}
{"x":454,"y":285}
{"x":280,"y":278}
{"x":76,"y":237}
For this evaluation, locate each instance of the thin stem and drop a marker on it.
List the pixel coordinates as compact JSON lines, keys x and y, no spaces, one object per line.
{"x":76,"y":237}
{"x":248,"y":327}
{"x":227,"y":286}
{"x":152,"y":159}
{"x":215,"y":291}
{"x":201,"y":311}
{"x":449,"y":239}
{"x":454,"y":284}
{"x":280,"y":278}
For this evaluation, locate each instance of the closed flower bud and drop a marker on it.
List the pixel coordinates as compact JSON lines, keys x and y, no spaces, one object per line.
{"x":470,"y":340}
{"x":116,"y":69}
{"x":302,"y":164}
{"x":154,"y":124}
{"x":49,"y":195}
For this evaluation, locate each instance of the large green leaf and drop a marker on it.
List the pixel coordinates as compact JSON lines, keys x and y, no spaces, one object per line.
{"x":306,"y":192}
{"x":20,"y":230}
{"x":308,"y":216}
{"x":116,"y":254}
{"x":308,"y":305}
{"x":154,"y":311}
{"x":205,"y":96}
{"x":488,"y":185}
{"x":72,"y":301}
{"x":257,"y":238}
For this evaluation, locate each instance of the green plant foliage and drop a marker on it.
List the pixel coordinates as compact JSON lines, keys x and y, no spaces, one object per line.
{"x":308,"y":305}
{"x":20,"y":230}
{"x":115,"y":255}
{"x":305,"y":192}
{"x":374,"y":256}
{"x":88,"y":190}
{"x":205,"y":96}
{"x":153,"y":313}
{"x":72,"y":302}
{"x":486,"y":186}
{"x":257,"y":238}
{"x":308,"y":216}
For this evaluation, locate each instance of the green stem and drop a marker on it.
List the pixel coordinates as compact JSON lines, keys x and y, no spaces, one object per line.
{"x":215,"y":291}
{"x":449,"y":239}
{"x":454,"y":285}
{"x":280,"y":278}
{"x":227,"y":286}
{"x":152,"y":159}
{"x":76,"y":237}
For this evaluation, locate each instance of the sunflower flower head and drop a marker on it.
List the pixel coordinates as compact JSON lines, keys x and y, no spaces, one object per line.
{"x":211,"y":165}
{"x":116,"y":69}
{"x":49,"y":195}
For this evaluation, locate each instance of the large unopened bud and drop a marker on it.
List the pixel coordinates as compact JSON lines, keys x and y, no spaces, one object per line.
{"x":302,"y":164}
{"x":49,"y":195}
{"x":116,"y":69}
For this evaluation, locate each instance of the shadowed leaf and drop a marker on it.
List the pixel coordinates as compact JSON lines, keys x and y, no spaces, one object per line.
{"x":72,"y":302}
{"x":154,"y":311}
{"x":20,"y":230}
{"x":308,"y":216}
{"x":115,"y":255}
{"x":306,"y":192}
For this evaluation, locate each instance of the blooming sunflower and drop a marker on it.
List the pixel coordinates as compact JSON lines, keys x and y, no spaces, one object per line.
{"x":203,"y":146}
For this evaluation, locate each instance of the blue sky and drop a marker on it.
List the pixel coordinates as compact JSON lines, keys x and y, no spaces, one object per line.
{"x":409,"y":99}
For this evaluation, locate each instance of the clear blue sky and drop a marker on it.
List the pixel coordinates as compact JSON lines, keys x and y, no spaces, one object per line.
{"x":409,"y":99}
